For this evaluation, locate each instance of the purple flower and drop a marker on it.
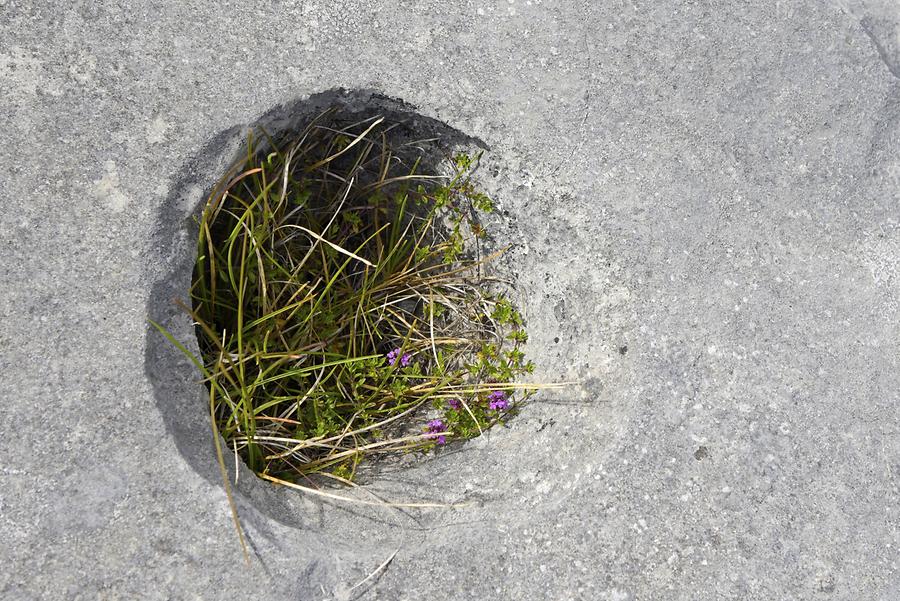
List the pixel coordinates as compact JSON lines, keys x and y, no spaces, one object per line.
{"x":404,"y":359}
{"x":498,"y":401}
{"x":454,"y":403}
{"x":435,"y":427}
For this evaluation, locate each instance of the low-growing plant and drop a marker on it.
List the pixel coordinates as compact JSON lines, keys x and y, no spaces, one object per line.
{"x":341,"y":304}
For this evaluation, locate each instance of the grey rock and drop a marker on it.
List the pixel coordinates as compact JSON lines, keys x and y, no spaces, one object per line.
{"x":703,"y":204}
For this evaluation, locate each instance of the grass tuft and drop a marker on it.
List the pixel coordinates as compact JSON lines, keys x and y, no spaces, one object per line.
{"x":341,"y":304}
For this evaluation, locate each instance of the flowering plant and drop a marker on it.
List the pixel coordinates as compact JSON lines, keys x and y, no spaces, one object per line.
{"x":341,"y":303}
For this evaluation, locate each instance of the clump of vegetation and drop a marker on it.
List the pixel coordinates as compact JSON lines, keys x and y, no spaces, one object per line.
{"x":341,"y":304}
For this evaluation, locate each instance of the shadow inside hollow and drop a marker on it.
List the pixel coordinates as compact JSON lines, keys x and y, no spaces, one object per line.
{"x":179,"y":395}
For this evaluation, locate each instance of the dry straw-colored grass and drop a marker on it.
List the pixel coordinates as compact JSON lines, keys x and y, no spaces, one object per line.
{"x":341,"y":303}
